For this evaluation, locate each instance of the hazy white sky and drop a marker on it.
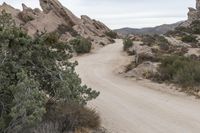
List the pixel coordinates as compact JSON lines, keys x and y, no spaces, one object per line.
{"x":124,"y":13}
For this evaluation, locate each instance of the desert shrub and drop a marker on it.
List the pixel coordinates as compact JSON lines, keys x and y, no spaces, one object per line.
{"x":130,"y":66}
{"x":62,"y":29}
{"x":148,"y":40}
{"x":66,"y":117}
{"x":162,"y":43}
{"x":195,"y":27}
{"x":179,"y":31}
{"x":111,"y":34}
{"x":189,"y":39}
{"x":31,"y":72}
{"x":50,"y":38}
{"x":73,"y":117}
{"x":164,"y":46}
{"x":182,"y":29}
{"x":81,"y":45}
{"x":181,"y":70}
{"x":128,"y":43}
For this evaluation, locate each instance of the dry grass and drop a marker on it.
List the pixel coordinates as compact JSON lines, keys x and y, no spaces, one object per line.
{"x":73,"y":117}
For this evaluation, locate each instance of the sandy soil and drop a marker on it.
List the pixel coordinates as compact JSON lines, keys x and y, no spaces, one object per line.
{"x":128,"y":106}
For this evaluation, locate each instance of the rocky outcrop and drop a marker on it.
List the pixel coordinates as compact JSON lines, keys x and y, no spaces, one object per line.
{"x":193,"y":14}
{"x":143,"y":70}
{"x":55,"y":17}
{"x":43,"y":23}
{"x":198,"y":4}
{"x":28,"y":14}
{"x":61,"y":11}
{"x":14,"y":12}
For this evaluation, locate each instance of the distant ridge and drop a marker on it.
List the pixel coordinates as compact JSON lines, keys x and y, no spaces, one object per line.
{"x":162,"y":29}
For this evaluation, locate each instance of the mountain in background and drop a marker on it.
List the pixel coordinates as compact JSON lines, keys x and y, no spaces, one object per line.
{"x":162,"y":29}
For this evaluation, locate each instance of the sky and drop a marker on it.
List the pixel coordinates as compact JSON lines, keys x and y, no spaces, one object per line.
{"x":123,"y":13}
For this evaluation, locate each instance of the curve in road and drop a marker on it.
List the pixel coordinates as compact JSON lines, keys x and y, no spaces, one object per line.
{"x":128,"y":107}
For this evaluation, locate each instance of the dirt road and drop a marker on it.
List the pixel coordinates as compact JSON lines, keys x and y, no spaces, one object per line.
{"x":129,"y":107}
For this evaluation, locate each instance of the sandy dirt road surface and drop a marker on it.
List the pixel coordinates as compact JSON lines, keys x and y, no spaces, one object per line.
{"x":129,"y":107}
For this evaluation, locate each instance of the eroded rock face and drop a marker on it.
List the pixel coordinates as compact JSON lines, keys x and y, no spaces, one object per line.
{"x":28,"y":14}
{"x":84,"y":26}
{"x":193,"y":14}
{"x":93,"y":27}
{"x":54,"y":16}
{"x":43,"y":23}
{"x":61,"y":11}
{"x":198,"y":4}
{"x":14,"y":12}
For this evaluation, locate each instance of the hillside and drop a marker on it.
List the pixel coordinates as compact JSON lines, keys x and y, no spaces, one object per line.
{"x":149,"y":30}
{"x":170,"y":57}
{"x":57,"y":18}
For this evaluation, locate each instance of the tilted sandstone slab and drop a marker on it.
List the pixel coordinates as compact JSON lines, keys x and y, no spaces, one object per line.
{"x":54,"y":16}
{"x":60,"y":10}
{"x":14,"y":12}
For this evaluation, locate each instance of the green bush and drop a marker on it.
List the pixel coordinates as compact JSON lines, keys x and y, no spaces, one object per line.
{"x":112,"y":34}
{"x":162,"y":43}
{"x":181,"y":70}
{"x":32,"y":71}
{"x":183,"y":29}
{"x":128,"y":43}
{"x":189,"y":39}
{"x":195,"y":27}
{"x":81,"y":45}
{"x":149,"y":40}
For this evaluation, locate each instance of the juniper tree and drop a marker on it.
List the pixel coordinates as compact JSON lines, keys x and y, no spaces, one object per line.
{"x":32,"y":71}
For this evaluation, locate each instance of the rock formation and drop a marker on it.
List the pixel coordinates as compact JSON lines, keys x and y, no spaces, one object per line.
{"x":58,"y":9}
{"x":198,"y":4}
{"x":193,"y":14}
{"x":14,"y":12}
{"x":28,"y":14}
{"x":55,"y":17}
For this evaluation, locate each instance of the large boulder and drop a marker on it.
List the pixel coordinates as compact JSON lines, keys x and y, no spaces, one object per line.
{"x":143,"y":53}
{"x":144,"y":70}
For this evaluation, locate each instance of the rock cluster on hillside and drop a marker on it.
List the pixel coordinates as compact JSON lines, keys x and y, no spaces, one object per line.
{"x":193,"y":14}
{"x":55,"y":17}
